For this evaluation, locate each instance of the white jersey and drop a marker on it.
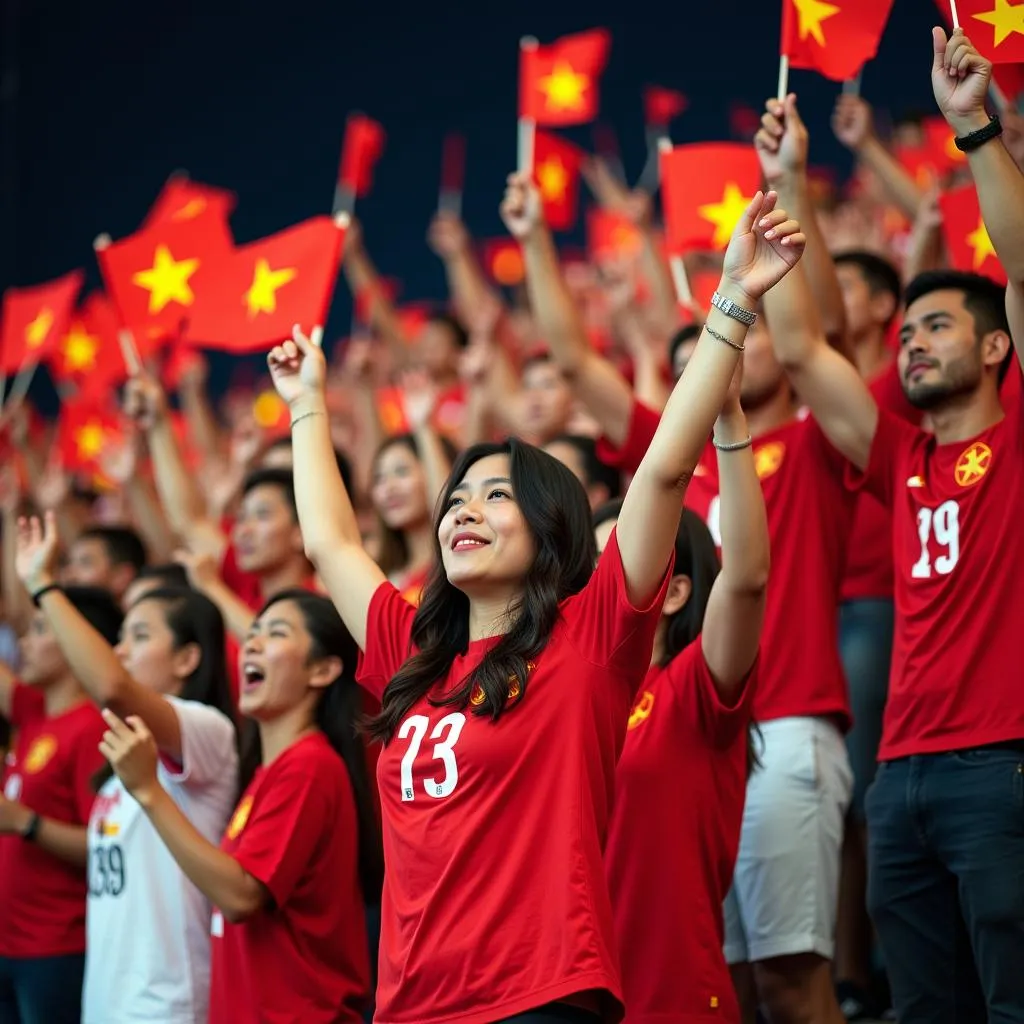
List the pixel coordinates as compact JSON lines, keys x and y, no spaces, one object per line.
{"x":147,"y":925}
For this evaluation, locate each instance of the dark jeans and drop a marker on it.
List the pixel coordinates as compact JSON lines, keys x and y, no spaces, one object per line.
{"x":45,"y":990}
{"x":946,"y":884}
{"x":554,"y":1013}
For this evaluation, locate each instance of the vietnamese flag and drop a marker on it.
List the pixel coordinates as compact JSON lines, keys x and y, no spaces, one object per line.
{"x":610,"y":235}
{"x":360,"y":151}
{"x":391,"y":411}
{"x":556,"y":169}
{"x":87,"y":425}
{"x":503,"y":260}
{"x":661,"y":106}
{"x":266,"y":287}
{"x":705,"y":188}
{"x":558,"y":83}
{"x":1009,"y":80}
{"x":835,"y":39}
{"x":412,"y":318}
{"x":88,"y":353}
{"x":996,"y":27}
{"x":182,"y":199}
{"x":970,"y":247}
{"x":34,"y":318}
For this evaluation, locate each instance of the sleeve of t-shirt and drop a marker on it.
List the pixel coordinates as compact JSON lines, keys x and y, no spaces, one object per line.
{"x":892,"y":441}
{"x":643,"y":423}
{"x":698,"y":695}
{"x":208,"y":749}
{"x":27,"y":704}
{"x":286,"y":826}
{"x":602,"y":624}
{"x":388,"y":643}
{"x":86,"y":763}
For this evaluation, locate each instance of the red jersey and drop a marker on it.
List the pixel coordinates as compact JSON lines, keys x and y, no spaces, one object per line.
{"x":50,"y":770}
{"x":957,"y":674}
{"x":673,"y":840}
{"x":305,"y":957}
{"x":809,"y":516}
{"x":495,"y":898}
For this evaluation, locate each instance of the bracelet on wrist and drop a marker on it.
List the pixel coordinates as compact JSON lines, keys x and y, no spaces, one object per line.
{"x":732,"y":446}
{"x":32,"y":828}
{"x":974,"y":140}
{"x":718,"y":336}
{"x":306,"y":415}
{"x":39,"y":594}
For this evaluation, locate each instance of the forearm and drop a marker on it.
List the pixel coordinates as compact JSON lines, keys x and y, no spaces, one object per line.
{"x":17,"y":603}
{"x":900,"y":187}
{"x":659,"y":277}
{"x":179,"y":495}
{"x":58,"y":838}
{"x":202,"y":423}
{"x":793,"y":318}
{"x":369,"y":434}
{"x":236,"y":613}
{"x":436,"y":466}
{"x":649,"y":384}
{"x":148,"y":516}
{"x":925,"y":251}
{"x":467,"y":285}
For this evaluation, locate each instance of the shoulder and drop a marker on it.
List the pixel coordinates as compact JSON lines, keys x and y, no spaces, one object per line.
{"x":195,"y":717}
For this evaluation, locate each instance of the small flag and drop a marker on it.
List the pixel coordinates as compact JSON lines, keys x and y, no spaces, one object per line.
{"x":558,"y":82}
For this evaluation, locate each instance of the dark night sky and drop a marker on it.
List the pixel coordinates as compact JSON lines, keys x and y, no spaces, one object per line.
{"x":113,"y":97}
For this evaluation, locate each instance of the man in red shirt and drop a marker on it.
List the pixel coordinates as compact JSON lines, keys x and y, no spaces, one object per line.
{"x":105,"y":556}
{"x":944,"y":813}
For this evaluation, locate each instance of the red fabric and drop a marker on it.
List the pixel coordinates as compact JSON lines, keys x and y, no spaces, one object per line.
{"x":503,"y":260}
{"x":558,"y":82}
{"x":556,"y":169}
{"x":611,"y":235}
{"x":50,"y":770}
{"x":836,"y":40}
{"x":88,"y":353}
{"x":453,"y":163}
{"x":360,"y":151}
{"x":662,"y":105}
{"x":450,"y":410}
{"x":967,"y":238}
{"x":670,"y":861}
{"x":34,"y":319}
{"x":980,"y":23}
{"x":88,"y":426}
{"x":495,"y":900}
{"x":182,"y":199}
{"x":809,"y":517}
{"x":957,"y":674}
{"x":305,"y":957}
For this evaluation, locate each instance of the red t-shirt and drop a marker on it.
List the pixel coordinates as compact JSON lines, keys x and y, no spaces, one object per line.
{"x":673,"y":840}
{"x":50,"y":770}
{"x":869,"y":569}
{"x":809,"y":516}
{"x":305,"y":958}
{"x":957,"y":674}
{"x":495,"y":897}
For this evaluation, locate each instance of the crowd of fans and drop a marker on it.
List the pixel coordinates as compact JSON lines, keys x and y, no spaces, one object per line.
{"x":585,"y":724}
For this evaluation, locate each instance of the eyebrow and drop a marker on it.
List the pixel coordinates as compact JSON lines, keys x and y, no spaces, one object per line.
{"x":271,"y":623}
{"x":465,"y":485}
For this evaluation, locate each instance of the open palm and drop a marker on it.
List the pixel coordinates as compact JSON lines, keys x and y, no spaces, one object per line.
{"x":765,"y":246}
{"x":36,"y":553}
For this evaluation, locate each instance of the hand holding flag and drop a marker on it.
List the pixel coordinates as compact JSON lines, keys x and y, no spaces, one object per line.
{"x":960,"y":81}
{"x":521,"y":209}
{"x":782,"y":141}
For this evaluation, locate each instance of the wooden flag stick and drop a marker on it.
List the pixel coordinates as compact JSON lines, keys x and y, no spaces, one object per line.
{"x":783,"y":88}
{"x":851,"y":87}
{"x":954,"y":15}
{"x":344,"y":200}
{"x":22,"y":382}
{"x":129,"y":352}
{"x":650,"y":176}
{"x":684,"y":293}
{"x":527,"y":125}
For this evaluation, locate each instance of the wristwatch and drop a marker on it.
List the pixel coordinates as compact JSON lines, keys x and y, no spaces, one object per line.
{"x":730,"y":309}
{"x":31,"y":828}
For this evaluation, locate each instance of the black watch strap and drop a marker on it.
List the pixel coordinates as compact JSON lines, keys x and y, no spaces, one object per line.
{"x":970,"y":142}
{"x":30,"y":832}
{"x":43,"y":591}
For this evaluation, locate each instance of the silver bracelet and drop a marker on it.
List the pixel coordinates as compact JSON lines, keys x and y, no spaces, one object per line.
{"x":306,"y":415}
{"x":729,"y":308}
{"x":723,"y":338}
{"x":733,"y":446}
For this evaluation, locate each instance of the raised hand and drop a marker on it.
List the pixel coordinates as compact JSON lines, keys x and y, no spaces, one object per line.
{"x":202,"y":568}
{"x":36,"y":552}
{"x":635,"y":206}
{"x":298,"y":368}
{"x":54,"y":486}
{"x":521,"y":208}
{"x":144,"y":401}
{"x":781,"y":141}
{"x":852,"y":121}
{"x":419,"y":396}
{"x":447,"y":235}
{"x":119,"y":462}
{"x":131,"y":750}
{"x":960,"y":81}
{"x":764,"y":247}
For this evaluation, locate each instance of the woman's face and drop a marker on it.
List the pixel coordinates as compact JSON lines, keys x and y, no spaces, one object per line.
{"x":486,"y":544}
{"x":399,"y":489}
{"x":147,"y":649}
{"x":274,"y":664}
{"x":42,"y":661}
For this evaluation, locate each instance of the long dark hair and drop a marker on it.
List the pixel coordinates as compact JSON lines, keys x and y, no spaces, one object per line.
{"x":554,"y":506}
{"x":337,"y":716}
{"x":193,"y":618}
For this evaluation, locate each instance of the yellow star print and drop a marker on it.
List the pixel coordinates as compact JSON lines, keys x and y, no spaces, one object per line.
{"x":725,"y":214}
{"x":1005,"y":19}
{"x":167,"y":280}
{"x":262,"y":294}
{"x":36,"y":332}
{"x":811,"y":14}
{"x":90,"y":440}
{"x":80,"y":349}
{"x":553,"y":178}
{"x":564,"y":87}
{"x":980,"y":242}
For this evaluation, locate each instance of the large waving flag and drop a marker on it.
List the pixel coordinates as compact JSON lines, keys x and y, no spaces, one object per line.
{"x":996,"y":27}
{"x":835,"y":39}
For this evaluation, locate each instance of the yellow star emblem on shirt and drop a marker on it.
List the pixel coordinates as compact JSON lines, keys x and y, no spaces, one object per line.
{"x":973,"y":464}
{"x":167,"y":280}
{"x":89,"y":439}
{"x":36,"y":332}
{"x":564,"y":87}
{"x":79,"y":348}
{"x":262,"y":294}
{"x":980,"y":242}
{"x":1005,"y":19}
{"x":642,"y":711}
{"x":725,"y":214}
{"x":553,"y":179}
{"x":811,"y":14}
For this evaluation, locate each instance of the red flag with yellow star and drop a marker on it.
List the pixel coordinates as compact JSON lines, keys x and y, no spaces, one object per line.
{"x":704,"y":188}
{"x":996,"y":27}
{"x":610,"y":235}
{"x":662,"y":106}
{"x":87,"y":425}
{"x":967,"y":240}
{"x":1009,"y":80}
{"x":34,"y":318}
{"x":88,"y":351}
{"x":362,"y":148}
{"x":182,"y":199}
{"x":558,"y":82}
{"x":835,"y":39}
{"x":266,"y":287}
{"x":935,"y":158}
{"x":503,"y":261}
{"x":556,"y":169}
{"x":157,"y":276}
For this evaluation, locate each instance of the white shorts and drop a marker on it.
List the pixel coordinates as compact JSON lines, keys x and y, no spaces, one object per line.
{"x":785,"y":890}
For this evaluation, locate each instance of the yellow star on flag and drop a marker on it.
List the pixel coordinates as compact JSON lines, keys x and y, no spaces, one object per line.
{"x":80,"y":349}
{"x":564,"y":87}
{"x":167,"y":280}
{"x":262,"y":294}
{"x":36,"y":332}
{"x":725,"y":214}
{"x":811,"y":14}
{"x":1005,"y":19}
{"x":553,"y":179}
{"x":190,"y":210}
{"x":979,"y":241}
{"x":89,"y":440}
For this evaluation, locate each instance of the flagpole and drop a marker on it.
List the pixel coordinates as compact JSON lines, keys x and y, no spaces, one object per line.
{"x":851,"y":87}
{"x":22,"y":382}
{"x":129,"y":352}
{"x":676,"y":266}
{"x":344,"y":200}
{"x":954,"y":15}
{"x":527,"y":129}
{"x":449,"y":199}
{"x":648,"y":180}
{"x":783,"y":88}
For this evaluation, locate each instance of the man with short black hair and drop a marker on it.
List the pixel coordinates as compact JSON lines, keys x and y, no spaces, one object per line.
{"x":105,"y":556}
{"x":579,"y":453}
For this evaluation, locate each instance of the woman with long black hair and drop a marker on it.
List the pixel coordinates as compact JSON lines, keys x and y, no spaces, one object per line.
{"x":505,"y":695}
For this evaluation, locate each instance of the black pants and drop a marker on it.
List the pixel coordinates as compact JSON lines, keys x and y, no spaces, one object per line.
{"x":554,"y":1013}
{"x":44,"y":990}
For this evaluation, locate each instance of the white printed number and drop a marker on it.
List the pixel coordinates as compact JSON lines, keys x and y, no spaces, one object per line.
{"x":447,"y":733}
{"x":942,"y":525}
